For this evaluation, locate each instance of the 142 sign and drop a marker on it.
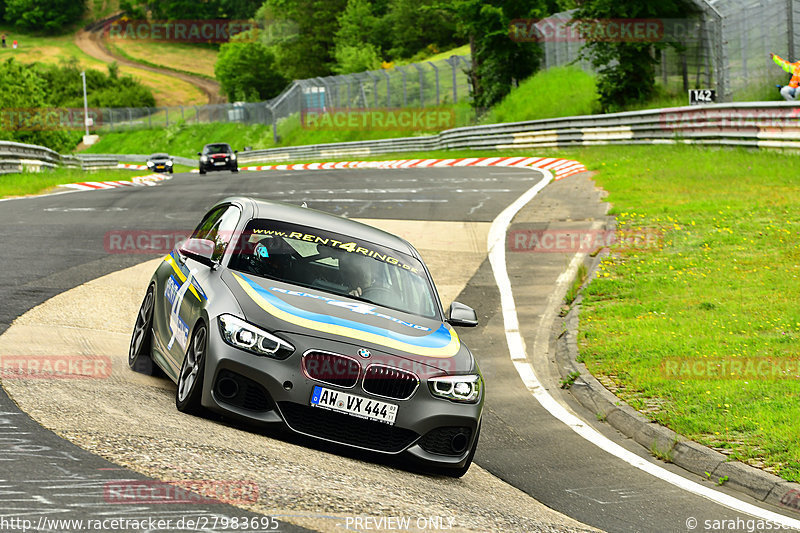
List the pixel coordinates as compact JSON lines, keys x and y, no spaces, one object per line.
{"x":702,"y":96}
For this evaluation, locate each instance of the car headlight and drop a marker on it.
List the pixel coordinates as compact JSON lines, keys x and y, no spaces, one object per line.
{"x":203,"y":158}
{"x":149,"y":163}
{"x":233,"y":157}
{"x":168,"y":163}
{"x":245,"y":336}
{"x":465,"y":389}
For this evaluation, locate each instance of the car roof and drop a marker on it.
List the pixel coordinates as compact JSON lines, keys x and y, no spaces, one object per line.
{"x":304,"y":216}
{"x":158,"y":154}
{"x":216,"y":144}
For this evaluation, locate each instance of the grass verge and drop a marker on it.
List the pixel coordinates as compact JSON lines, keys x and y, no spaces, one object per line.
{"x":27,"y":183}
{"x":186,"y":138}
{"x":700,"y":331}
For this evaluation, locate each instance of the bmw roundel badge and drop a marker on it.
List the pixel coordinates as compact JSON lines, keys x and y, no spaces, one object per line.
{"x":363,"y":352}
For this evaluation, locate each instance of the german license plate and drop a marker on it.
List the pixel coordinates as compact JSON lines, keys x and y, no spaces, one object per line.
{"x":219,"y":163}
{"x":354,"y":405}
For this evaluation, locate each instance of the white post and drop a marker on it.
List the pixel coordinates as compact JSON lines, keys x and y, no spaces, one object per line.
{"x":85,"y":104}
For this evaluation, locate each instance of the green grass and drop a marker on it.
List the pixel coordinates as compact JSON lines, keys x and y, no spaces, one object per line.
{"x":27,"y":183}
{"x":459,"y":51}
{"x":556,"y":92}
{"x":186,"y":139}
{"x":721,"y":286}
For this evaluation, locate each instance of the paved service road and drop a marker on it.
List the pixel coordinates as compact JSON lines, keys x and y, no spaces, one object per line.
{"x":54,"y":243}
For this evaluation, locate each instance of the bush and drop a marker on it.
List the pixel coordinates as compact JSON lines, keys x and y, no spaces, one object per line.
{"x":246,"y":71}
{"x":50,"y":16}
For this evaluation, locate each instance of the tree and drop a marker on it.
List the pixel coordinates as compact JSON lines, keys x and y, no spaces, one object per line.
{"x":246,"y":71}
{"x":308,"y":51}
{"x":50,"y":16}
{"x":354,"y":41}
{"x":498,"y":62}
{"x":626,"y":70}
{"x":413,"y":25}
{"x":22,"y":93}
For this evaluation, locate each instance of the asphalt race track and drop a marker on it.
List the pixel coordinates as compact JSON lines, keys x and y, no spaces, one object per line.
{"x":52,"y":244}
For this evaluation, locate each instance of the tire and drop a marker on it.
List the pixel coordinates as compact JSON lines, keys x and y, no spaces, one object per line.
{"x":170,"y":171}
{"x":140,"y":350}
{"x":459,"y":472}
{"x":190,"y":378}
{"x":202,"y":170}
{"x":235,"y":169}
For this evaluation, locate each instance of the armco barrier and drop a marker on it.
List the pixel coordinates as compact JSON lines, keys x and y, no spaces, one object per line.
{"x":16,"y":157}
{"x":753,"y":125}
{"x":88,"y":159}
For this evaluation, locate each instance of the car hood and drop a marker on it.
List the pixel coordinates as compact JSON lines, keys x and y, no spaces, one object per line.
{"x":283,"y":307}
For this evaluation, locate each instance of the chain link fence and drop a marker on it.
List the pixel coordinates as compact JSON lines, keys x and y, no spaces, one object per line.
{"x":417,"y":85}
{"x":724,"y":45}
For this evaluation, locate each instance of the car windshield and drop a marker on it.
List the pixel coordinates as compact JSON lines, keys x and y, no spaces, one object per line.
{"x":217,"y":149}
{"x":336,"y":264}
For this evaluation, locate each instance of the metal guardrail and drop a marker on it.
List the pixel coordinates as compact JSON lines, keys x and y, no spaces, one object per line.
{"x":752,"y":125}
{"x":17,"y":157}
{"x":755,"y":125}
{"x":89,"y":159}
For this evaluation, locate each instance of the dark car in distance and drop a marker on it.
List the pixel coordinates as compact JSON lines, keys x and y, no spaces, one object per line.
{"x":218,"y":156}
{"x":160,"y":162}
{"x":286,"y":316}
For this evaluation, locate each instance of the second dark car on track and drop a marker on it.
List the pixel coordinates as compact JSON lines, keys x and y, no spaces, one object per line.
{"x":287,"y":316}
{"x":218,"y":156}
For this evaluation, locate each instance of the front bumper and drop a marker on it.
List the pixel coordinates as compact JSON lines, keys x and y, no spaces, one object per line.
{"x":212,"y":165}
{"x":277,"y":392}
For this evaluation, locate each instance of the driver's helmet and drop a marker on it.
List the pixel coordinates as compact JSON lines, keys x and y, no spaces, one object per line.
{"x":271,"y":256}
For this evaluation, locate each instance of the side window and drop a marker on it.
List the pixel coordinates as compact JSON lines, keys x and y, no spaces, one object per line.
{"x":218,"y":226}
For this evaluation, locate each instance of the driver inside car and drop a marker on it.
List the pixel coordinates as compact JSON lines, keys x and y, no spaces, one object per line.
{"x":357,"y":273}
{"x":272,"y":257}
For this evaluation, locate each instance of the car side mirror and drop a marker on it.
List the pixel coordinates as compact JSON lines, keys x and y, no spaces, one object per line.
{"x":201,"y":250}
{"x":462,"y":315}
{"x":199,"y":153}
{"x":236,"y":151}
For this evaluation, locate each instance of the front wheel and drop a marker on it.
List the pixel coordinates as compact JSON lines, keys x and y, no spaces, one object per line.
{"x":202,"y":170}
{"x":190,"y":379}
{"x":139,"y":353}
{"x":235,"y":169}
